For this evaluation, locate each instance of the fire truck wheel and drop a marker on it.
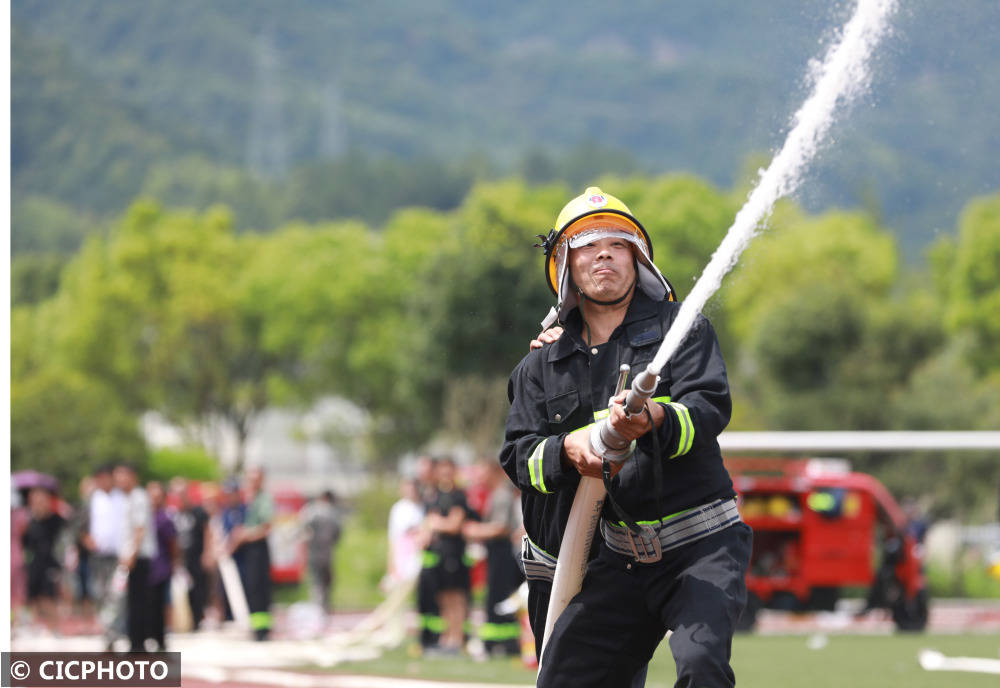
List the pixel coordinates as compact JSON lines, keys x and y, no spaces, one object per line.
{"x":748,"y":619}
{"x":911,"y":614}
{"x":823,"y":598}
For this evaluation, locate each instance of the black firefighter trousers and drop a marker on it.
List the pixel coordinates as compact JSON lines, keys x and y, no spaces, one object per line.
{"x":611,"y":628}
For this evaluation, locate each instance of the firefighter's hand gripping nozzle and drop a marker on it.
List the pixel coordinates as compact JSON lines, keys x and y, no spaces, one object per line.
{"x":604,"y":440}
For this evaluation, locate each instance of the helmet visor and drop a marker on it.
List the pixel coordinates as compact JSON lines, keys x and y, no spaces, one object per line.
{"x":597,"y":233}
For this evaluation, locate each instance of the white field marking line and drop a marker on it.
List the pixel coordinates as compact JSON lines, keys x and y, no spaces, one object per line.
{"x":932,"y":660}
{"x":298,"y":680}
{"x":245,"y":654}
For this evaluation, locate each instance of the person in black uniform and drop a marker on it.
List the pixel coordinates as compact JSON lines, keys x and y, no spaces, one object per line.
{"x":39,"y":541}
{"x":428,"y":614}
{"x":250,"y":539}
{"x":673,"y":551}
{"x":190,"y":521}
{"x":501,"y":634}
{"x":445,"y":519}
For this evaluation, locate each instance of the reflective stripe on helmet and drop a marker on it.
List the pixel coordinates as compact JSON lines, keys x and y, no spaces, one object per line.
{"x":603,"y":231}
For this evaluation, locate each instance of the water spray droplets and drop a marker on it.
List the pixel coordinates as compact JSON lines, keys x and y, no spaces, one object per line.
{"x":839,"y":78}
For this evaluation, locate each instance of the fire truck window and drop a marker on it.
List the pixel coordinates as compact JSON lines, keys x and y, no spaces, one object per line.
{"x":829,"y":503}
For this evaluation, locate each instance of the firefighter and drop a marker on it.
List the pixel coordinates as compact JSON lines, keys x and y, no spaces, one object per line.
{"x":673,"y":551}
{"x":445,"y":520}
{"x":250,"y":538}
{"x":501,"y":522}
{"x":428,"y":613}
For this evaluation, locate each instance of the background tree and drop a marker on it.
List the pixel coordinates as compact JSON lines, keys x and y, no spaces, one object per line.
{"x":66,"y":424}
{"x":153,"y":312}
{"x":486,"y":301}
{"x":802,"y":303}
{"x":972,"y":284}
{"x":418,"y":324}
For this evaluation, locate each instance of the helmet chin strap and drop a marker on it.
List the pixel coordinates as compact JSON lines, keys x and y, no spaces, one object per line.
{"x":613,"y":302}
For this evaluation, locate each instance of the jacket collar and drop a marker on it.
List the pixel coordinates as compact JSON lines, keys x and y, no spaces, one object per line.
{"x":641,"y":325}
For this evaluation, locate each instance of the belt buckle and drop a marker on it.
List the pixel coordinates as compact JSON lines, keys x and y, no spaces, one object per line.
{"x":648,"y":550}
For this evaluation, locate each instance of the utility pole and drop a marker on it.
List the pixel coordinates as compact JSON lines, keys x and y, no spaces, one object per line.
{"x":267,"y":147}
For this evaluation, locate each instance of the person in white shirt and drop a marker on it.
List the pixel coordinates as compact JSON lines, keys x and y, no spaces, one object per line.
{"x":405,"y":518}
{"x":103,"y":540}
{"x":138,"y":547}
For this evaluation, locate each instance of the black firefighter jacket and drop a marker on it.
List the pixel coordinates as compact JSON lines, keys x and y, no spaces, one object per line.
{"x":565,"y":386}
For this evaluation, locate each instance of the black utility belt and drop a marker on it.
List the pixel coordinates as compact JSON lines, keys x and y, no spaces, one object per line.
{"x":653,"y":539}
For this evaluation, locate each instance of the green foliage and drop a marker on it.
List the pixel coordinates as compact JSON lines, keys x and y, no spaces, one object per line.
{"x":846,"y":253}
{"x":968,"y":579}
{"x":686,"y":218}
{"x":193,"y":182}
{"x":972,"y":286}
{"x":42,"y":224}
{"x":368,"y":188}
{"x":420,"y":323}
{"x":973,"y":402}
{"x":33,"y":328}
{"x":489,"y":289}
{"x":153,"y":311}
{"x":370,"y":508}
{"x":360,"y":556}
{"x":359,"y":565}
{"x":34,"y":277}
{"x":66,"y":424}
{"x":72,"y":140}
{"x":809,"y":305}
{"x":193,"y":463}
{"x":802,"y":343}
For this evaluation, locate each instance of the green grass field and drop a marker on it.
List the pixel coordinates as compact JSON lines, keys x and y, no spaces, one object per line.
{"x":846,"y":661}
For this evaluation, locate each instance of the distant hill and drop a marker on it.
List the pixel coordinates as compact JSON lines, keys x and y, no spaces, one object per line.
{"x":104,"y":92}
{"x":77,"y":138}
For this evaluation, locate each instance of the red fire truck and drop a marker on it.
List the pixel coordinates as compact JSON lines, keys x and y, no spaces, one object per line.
{"x":288,"y":549}
{"x":820,"y":527}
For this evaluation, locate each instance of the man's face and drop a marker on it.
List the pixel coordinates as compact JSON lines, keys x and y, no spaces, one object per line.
{"x":155,"y":492}
{"x":254,"y":480}
{"x":125,"y":478}
{"x":445,"y":471}
{"x":604,"y":269}
{"x":39,"y":502}
{"x":104,"y":481}
{"x":425,"y":470}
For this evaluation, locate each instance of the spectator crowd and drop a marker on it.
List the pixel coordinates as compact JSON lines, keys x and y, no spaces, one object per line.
{"x":433,"y":528}
{"x":137,"y":560}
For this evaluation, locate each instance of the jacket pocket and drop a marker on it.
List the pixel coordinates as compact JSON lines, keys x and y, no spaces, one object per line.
{"x":561,"y":409}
